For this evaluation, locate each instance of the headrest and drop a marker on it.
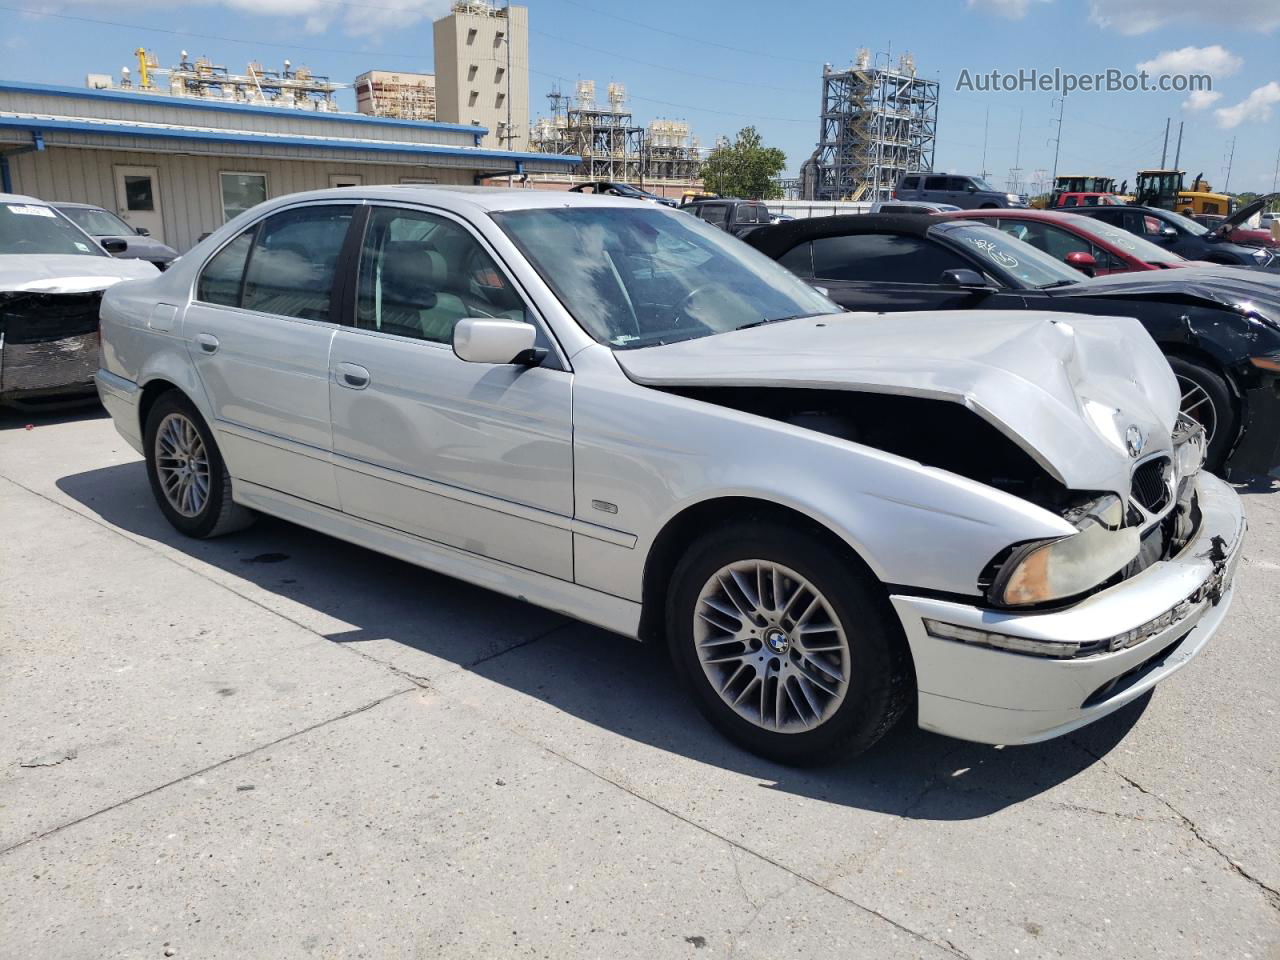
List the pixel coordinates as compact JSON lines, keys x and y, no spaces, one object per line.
{"x":409,"y":276}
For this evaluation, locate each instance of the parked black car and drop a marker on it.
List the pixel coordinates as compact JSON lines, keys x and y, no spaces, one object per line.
{"x":738,"y":217}
{"x":1185,"y":237}
{"x":1219,"y":327}
{"x":103,"y":225}
{"x":612,"y":188}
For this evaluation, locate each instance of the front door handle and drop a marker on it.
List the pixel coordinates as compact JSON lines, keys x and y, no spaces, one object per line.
{"x":352,"y":375}
{"x":208,"y":342}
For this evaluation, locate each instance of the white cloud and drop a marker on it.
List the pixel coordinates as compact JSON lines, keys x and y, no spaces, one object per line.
{"x":1133,"y":17}
{"x":1009,"y":9}
{"x":1201,"y":100}
{"x":1217,"y":61}
{"x":1256,"y":106}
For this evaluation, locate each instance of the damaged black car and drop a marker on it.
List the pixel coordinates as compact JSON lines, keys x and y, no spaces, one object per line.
{"x":1218,"y":326}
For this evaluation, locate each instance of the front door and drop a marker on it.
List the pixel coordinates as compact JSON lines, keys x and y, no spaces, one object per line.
{"x":475,"y":456}
{"x":259,"y":332}
{"x":138,"y":199}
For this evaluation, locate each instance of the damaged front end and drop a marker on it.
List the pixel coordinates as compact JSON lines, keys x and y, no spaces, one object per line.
{"x":48,"y":344}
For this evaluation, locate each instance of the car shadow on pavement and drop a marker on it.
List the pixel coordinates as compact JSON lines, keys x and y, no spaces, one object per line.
{"x":23,"y":418}
{"x":610,"y":682}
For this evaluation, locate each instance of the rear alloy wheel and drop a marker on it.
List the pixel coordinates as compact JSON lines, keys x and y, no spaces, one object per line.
{"x":788,"y":644}
{"x":1207,"y":400}
{"x":188,"y":478}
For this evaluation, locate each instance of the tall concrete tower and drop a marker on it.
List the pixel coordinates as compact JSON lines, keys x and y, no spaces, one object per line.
{"x":482,"y":70}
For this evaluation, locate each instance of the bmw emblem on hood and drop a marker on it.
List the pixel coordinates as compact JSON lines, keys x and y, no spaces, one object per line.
{"x":1134,"y":440}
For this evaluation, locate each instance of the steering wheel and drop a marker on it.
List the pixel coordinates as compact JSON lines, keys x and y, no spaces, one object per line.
{"x":680,"y":315}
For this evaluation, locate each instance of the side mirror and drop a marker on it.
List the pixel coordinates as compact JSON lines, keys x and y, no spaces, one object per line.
{"x":1084,"y":262}
{"x":971,"y":188}
{"x":1168,"y":233}
{"x":142,"y":231}
{"x":114,"y":245}
{"x":489,"y":340}
{"x":966,"y":280}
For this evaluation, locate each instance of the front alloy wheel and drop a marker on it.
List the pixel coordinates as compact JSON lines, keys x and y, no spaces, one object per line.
{"x":771,"y":646}
{"x":787,"y":641}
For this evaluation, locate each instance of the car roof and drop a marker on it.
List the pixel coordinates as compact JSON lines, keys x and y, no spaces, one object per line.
{"x":781,"y":237}
{"x":60,"y":204}
{"x":21,"y":198}
{"x":1045,"y":216}
{"x":458,"y":199}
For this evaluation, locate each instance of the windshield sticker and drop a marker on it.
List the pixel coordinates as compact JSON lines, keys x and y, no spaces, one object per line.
{"x":994,"y":253}
{"x":29,"y":210}
{"x":82,"y":247}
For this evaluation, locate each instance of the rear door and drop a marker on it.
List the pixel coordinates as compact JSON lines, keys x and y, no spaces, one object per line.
{"x":259,"y":332}
{"x":887,"y":272}
{"x":474,"y":456}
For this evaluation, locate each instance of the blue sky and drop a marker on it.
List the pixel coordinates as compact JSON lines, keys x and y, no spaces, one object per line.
{"x":722,"y":65}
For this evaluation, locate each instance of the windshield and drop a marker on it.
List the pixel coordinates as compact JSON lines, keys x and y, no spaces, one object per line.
{"x":1184,"y":223}
{"x":27,"y":228}
{"x":98,"y":223}
{"x":1130,"y":243}
{"x":982,"y":185}
{"x":1011,"y":256}
{"x":637,"y":278}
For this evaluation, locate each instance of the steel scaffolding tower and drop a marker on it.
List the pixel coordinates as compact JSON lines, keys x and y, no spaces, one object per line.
{"x":877,"y":124}
{"x":611,"y":144}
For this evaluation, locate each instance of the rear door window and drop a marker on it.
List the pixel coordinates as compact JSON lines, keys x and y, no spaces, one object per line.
{"x":883,"y":258}
{"x":935,"y":183}
{"x":294,"y":261}
{"x":222,"y":276}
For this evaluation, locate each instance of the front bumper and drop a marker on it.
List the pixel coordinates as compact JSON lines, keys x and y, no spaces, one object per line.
{"x":993,"y":696}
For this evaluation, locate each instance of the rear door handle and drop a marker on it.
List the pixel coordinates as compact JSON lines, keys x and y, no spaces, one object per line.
{"x":352,"y":375}
{"x":208,"y":342}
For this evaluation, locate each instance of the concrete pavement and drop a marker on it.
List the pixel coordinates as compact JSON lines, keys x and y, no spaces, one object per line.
{"x":277,"y":745}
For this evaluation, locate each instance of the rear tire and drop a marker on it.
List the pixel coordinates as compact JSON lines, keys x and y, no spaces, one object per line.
{"x":1207,"y":399}
{"x":188,"y":476}
{"x":788,"y":646}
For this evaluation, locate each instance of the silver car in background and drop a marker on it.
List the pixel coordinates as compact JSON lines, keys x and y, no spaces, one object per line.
{"x":996,"y":523}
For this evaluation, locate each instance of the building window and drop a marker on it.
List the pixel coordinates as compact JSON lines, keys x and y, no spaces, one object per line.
{"x":240,"y":191}
{"x":497,"y":74}
{"x":471,"y":36}
{"x":498,"y":38}
{"x":471,"y":72}
{"x":473,"y":98}
{"x":497,"y":101}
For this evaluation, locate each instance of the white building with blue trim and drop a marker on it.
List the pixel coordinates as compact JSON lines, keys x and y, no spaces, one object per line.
{"x":180,"y":166}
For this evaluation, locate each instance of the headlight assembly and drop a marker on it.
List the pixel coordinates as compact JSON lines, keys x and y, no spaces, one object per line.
{"x":1044,"y":571}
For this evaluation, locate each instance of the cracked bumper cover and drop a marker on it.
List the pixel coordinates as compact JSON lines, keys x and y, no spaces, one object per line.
{"x":993,"y":696}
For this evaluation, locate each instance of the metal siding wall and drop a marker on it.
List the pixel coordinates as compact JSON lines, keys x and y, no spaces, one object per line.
{"x":190,"y":192}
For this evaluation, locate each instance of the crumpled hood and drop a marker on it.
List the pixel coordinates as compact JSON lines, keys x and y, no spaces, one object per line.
{"x":68,"y":273}
{"x":1065,"y":388}
{"x":1226,"y":286}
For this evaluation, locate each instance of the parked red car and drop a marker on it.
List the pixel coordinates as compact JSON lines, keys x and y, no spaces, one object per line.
{"x":1086,"y":200}
{"x":1091,"y":246}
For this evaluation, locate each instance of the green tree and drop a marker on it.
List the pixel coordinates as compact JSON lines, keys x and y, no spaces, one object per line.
{"x":744,"y":168}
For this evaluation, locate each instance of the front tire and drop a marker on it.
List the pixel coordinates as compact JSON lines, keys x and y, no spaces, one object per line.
{"x":789,"y":647}
{"x":188,"y":476}
{"x":1207,"y":399}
